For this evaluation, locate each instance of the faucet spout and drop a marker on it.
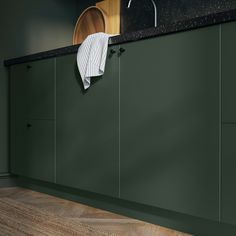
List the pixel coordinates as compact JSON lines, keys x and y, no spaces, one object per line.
{"x":154,"y":7}
{"x":129,"y":3}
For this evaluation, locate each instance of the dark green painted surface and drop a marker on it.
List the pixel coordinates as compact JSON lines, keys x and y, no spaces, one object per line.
{"x":170,"y":122}
{"x":34,"y":27}
{"x":32,"y":104}
{"x":33,"y":154}
{"x":18,"y":101}
{"x":228,"y":72}
{"x":40,"y":158}
{"x":4,"y":119}
{"x":40,"y":89}
{"x":87,"y":128}
{"x":229,"y":173}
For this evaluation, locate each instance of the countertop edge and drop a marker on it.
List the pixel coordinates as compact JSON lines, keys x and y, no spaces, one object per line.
{"x":195,"y":23}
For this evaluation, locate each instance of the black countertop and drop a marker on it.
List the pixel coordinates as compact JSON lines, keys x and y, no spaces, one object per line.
{"x":197,"y":22}
{"x":141,"y":14}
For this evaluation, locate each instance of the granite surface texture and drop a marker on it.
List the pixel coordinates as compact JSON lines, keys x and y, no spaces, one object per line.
{"x":141,"y":14}
{"x":162,"y":29}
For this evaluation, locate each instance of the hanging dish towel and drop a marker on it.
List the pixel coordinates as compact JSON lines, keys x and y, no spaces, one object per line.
{"x":91,"y":57}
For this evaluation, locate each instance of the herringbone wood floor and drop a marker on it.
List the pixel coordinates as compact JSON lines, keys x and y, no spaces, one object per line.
{"x":119,"y":225}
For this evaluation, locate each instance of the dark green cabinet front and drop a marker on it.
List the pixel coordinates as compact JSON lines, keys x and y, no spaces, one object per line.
{"x":228,"y":173}
{"x":40,"y":89}
{"x":169,"y":129}
{"x":35,"y":157}
{"x":228,"y":190}
{"x":87,"y":128}
{"x":228,"y":72}
{"x":147,"y":131}
{"x":32,"y":124}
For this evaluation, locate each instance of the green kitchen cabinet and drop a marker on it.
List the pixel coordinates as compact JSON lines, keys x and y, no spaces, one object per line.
{"x":37,"y":159}
{"x":148,"y":131}
{"x":169,"y":122}
{"x":228,"y":72}
{"x":32,"y":131}
{"x":228,"y":190}
{"x":40,"y":152}
{"x":87,"y":128}
{"x":33,"y":90}
{"x":40,"y":89}
{"x":228,"y":173}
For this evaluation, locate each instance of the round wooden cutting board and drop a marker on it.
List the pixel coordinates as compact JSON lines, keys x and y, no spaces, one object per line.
{"x":92,"y":20}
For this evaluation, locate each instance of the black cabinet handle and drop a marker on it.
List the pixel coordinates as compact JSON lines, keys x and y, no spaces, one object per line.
{"x":122,"y":50}
{"x":29,"y":125}
{"x":112,"y":51}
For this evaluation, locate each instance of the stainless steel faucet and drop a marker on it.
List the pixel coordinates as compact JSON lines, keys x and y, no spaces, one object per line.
{"x":154,"y":7}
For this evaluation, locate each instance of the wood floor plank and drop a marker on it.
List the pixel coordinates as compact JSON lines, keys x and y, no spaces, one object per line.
{"x":68,"y":211}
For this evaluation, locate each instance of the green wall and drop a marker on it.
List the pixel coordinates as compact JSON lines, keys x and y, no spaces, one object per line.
{"x":27,"y":27}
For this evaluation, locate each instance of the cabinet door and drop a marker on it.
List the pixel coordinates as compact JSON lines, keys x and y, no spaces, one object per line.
{"x":32,"y":148}
{"x":228,"y":173}
{"x":228,"y":72}
{"x":229,"y":123}
{"x":41,"y":89}
{"x":170,"y":122}
{"x":87,"y":135}
{"x":33,"y":153}
{"x":39,"y":161}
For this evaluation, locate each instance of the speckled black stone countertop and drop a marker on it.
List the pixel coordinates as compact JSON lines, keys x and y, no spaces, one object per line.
{"x":194,"y":23}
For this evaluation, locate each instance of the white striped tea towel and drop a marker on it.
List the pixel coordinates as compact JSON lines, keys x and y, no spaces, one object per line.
{"x":91,"y":57}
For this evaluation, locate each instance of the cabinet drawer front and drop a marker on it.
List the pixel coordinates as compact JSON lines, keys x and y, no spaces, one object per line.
{"x":40,"y":154}
{"x":41,"y":90}
{"x":33,"y":90}
{"x":33,"y":154}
